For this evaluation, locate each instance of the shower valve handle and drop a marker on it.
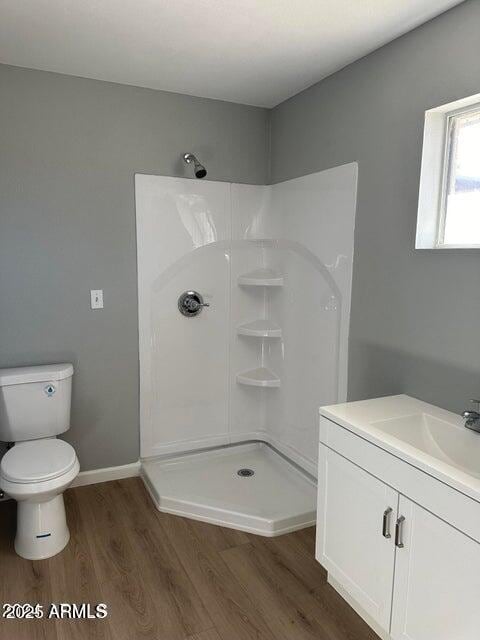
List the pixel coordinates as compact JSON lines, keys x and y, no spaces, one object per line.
{"x":193,"y":305}
{"x":190,"y":304}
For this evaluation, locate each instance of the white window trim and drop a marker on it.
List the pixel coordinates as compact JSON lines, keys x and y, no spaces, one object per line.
{"x":432,"y":195}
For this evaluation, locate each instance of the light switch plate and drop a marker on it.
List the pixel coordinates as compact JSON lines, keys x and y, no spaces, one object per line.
{"x":96,"y":298}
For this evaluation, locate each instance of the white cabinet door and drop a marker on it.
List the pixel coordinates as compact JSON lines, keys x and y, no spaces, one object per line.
{"x":350,"y":528}
{"x":437,"y":580}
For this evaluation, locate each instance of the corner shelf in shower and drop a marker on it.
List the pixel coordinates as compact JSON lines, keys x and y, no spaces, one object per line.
{"x":261,"y":278}
{"x":260,"y":329}
{"x":260,"y":377}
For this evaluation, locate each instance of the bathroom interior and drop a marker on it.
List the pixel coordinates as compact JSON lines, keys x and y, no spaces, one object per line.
{"x":239,"y":283}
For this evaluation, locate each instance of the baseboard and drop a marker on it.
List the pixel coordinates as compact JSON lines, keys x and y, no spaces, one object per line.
{"x":106,"y":474}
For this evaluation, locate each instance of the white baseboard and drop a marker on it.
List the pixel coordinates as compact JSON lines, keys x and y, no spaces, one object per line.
{"x":108,"y":473}
{"x":95,"y":476}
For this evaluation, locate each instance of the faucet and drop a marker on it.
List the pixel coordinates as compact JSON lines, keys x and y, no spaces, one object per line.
{"x":472,"y":418}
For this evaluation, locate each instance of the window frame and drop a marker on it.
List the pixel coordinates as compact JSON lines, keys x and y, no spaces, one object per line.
{"x":436,"y":173}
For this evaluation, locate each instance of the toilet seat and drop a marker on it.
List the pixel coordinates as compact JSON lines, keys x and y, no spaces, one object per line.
{"x":37,"y":461}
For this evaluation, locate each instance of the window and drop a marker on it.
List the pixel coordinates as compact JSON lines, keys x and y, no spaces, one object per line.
{"x":449,"y":200}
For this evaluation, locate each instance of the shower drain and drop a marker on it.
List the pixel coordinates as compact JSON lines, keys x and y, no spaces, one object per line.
{"x":245,"y":473}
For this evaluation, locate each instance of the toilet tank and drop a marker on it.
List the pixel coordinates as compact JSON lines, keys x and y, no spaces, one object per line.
{"x":35,"y":401}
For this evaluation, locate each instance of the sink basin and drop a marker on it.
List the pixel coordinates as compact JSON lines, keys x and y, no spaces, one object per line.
{"x":430,"y":438}
{"x":447,"y":442}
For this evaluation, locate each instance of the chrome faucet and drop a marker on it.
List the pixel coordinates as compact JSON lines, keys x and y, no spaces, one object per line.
{"x":472,"y":418}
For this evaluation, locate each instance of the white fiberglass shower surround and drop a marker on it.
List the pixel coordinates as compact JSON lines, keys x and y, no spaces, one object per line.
{"x":274,"y":264}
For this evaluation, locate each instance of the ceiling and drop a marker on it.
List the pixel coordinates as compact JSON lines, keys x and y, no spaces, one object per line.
{"x":256,"y":52}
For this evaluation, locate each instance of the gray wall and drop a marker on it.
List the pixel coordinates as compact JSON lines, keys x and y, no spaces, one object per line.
{"x":415,"y":314}
{"x":69,"y":148}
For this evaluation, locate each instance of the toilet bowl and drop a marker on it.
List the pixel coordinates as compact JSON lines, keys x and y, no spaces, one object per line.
{"x":37,"y":467}
{"x":36,"y":473}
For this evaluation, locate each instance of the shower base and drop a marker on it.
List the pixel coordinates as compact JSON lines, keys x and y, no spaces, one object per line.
{"x":277,"y":498}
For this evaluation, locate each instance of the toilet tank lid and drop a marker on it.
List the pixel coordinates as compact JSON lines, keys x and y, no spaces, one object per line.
{"x":41,"y":373}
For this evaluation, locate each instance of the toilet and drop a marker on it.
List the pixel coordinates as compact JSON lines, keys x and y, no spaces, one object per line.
{"x":37,"y":467}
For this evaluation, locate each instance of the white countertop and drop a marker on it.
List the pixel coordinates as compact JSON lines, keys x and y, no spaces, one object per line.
{"x":453,"y":445}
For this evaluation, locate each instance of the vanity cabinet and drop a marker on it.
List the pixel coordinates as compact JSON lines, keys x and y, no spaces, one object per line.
{"x":437,"y":580}
{"x":409,"y":573}
{"x":355,"y":516}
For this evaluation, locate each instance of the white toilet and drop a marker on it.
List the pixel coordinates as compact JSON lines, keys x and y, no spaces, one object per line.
{"x":34,"y":409}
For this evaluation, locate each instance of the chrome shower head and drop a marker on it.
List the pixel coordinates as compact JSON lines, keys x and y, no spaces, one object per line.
{"x":198,"y":169}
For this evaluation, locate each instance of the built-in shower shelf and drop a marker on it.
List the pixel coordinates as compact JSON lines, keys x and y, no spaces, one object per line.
{"x":260,"y":329}
{"x":261,"y":278}
{"x":260,"y":377}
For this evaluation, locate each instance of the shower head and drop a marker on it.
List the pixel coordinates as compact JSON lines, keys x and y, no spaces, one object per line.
{"x":198,"y":169}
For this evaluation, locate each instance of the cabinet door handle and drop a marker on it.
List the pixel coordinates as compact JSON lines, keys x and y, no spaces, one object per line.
{"x":386,"y":523}
{"x":399,"y":532}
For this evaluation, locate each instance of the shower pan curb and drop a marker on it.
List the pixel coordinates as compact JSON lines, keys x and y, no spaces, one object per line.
{"x":277,"y":498}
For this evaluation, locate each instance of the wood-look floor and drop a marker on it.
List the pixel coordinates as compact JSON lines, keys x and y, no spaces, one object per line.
{"x":168,"y":578}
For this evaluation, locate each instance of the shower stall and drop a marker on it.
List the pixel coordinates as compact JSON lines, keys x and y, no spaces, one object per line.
{"x":244,"y":306}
